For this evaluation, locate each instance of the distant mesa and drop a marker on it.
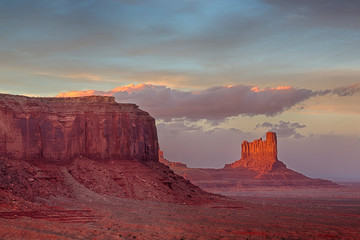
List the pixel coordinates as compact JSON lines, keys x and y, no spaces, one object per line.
{"x":258,"y":167}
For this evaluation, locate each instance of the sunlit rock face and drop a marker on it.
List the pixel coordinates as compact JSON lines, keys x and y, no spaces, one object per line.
{"x":61,"y":129}
{"x":258,"y":167}
{"x":259,"y":155}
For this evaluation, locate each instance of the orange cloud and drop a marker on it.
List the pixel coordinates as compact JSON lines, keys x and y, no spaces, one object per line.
{"x":257,"y":89}
{"x":77,"y":93}
{"x":129,"y":88}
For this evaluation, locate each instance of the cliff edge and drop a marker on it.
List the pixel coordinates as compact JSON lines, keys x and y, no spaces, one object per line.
{"x":61,"y":129}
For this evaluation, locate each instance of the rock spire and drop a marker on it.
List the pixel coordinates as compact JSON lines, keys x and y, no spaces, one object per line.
{"x":259,"y":155}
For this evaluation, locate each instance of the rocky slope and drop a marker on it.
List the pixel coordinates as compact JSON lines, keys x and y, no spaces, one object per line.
{"x":258,"y":167}
{"x":83,"y":147}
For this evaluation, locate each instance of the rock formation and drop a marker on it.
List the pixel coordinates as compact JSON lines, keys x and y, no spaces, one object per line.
{"x":259,"y":155}
{"x":81,"y":148}
{"x":61,"y":129}
{"x":258,"y":167}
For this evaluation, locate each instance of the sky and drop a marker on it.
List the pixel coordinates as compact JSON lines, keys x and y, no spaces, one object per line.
{"x":212,"y":72}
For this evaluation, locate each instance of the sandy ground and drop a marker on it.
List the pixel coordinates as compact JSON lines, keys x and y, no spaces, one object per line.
{"x":253,"y":214}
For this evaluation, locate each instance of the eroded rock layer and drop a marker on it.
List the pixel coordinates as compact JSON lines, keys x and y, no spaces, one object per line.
{"x":61,"y":129}
{"x":259,"y":155}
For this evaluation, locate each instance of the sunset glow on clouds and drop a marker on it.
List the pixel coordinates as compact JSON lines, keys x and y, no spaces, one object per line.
{"x":212,"y":104}
{"x":216,"y":103}
{"x":226,"y":70}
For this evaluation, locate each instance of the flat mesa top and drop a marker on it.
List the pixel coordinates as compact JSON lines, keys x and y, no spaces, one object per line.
{"x":95,"y":98}
{"x":66,"y":104}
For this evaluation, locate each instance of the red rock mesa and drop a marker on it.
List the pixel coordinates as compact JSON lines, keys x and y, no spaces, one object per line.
{"x":61,"y":129}
{"x":84,"y":146}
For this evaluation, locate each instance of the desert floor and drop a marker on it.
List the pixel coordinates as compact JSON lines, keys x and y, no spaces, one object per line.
{"x":253,"y":214}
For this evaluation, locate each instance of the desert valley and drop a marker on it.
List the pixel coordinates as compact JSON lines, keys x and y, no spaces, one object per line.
{"x":91,"y":168}
{"x":179,"y":120}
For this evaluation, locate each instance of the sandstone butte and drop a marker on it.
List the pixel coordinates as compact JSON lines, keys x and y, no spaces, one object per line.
{"x":258,"y":167}
{"x":69,"y":146}
{"x":259,"y":155}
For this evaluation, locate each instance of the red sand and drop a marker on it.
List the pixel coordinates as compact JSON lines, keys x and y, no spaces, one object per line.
{"x":251,"y":217}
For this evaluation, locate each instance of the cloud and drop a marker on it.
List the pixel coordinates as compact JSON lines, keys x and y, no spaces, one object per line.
{"x":178,"y":127}
{"x":212,"y":104}
{"x":341,"y":91}
{"x":264,"y":125}
{"x":333,"y":13}
{"x":81,"y":76}
{"x":80,"y":93}
{"x":283,"y":129}
{"x":347,"y":90}
{"x":184,"y":43}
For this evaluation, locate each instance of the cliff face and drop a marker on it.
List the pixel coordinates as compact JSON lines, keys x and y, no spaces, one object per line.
{"x":259,"y":155}
{"x":61,"y":129}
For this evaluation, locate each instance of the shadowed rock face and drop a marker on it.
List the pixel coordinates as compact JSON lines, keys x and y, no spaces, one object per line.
{"x":61,"y":129}
{"x":259,"y":155}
